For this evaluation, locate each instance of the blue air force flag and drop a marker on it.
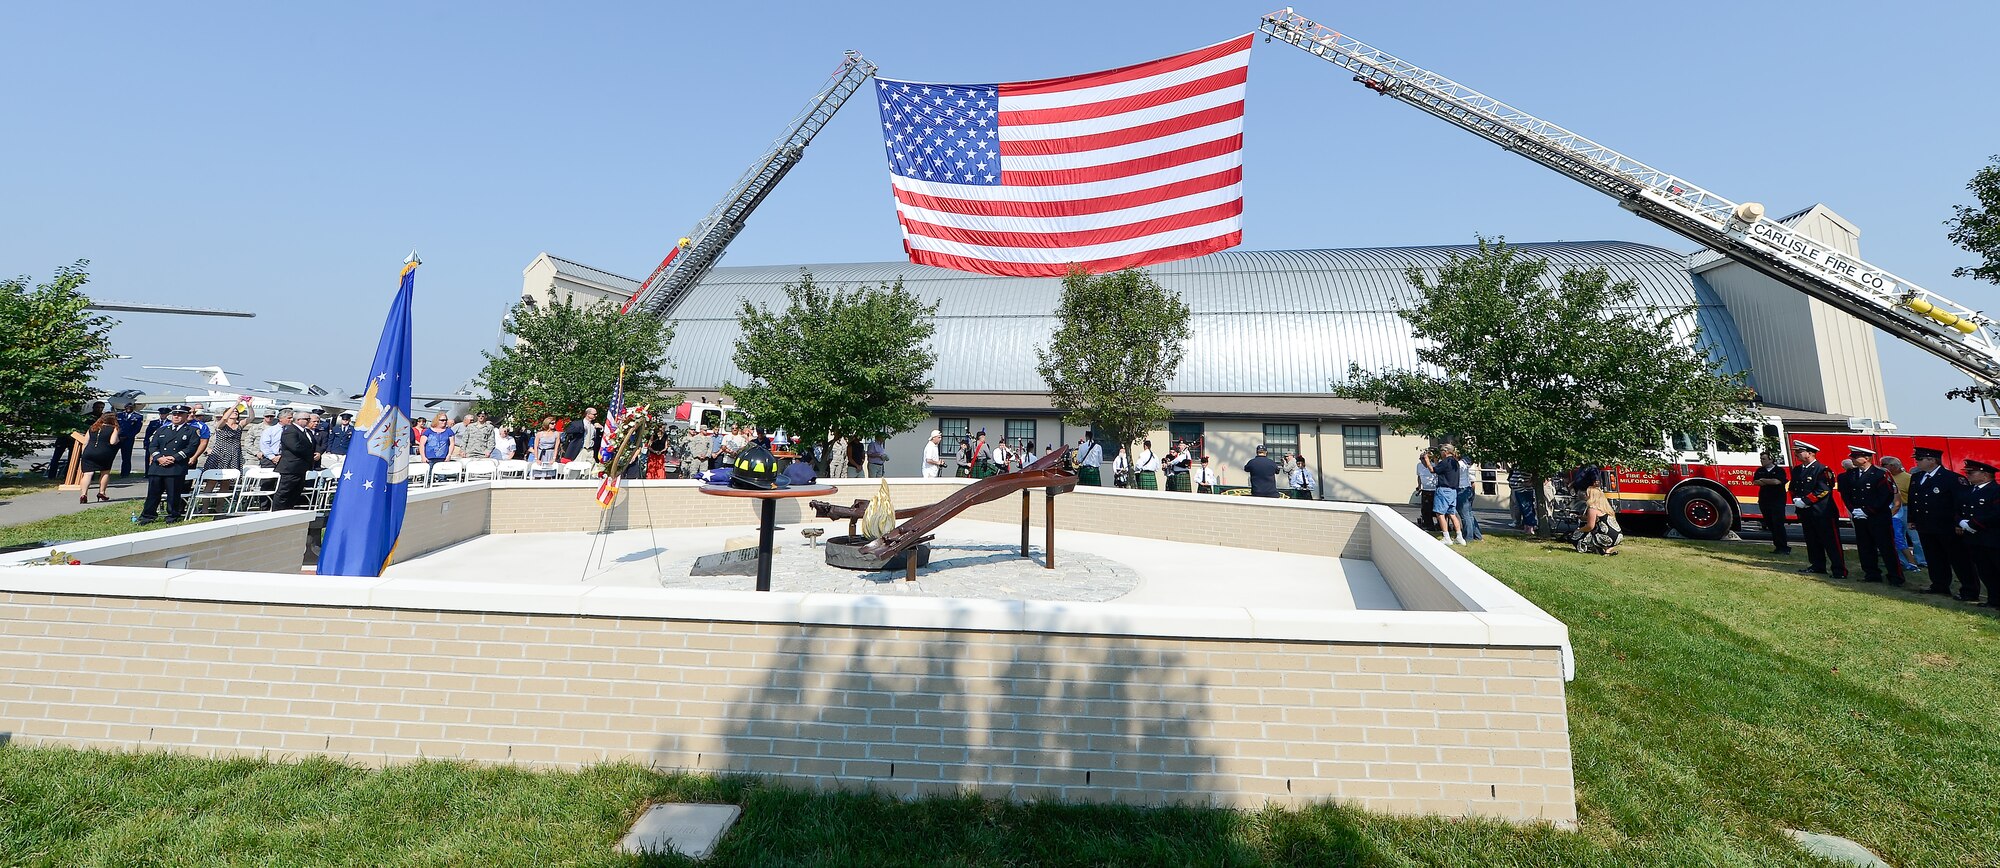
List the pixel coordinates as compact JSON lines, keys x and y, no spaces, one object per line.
{"x":367,"y":514}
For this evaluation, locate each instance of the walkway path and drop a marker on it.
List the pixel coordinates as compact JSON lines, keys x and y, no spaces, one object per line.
{"x":49,"y":503}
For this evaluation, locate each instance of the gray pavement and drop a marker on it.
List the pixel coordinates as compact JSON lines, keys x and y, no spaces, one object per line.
{"x":38,"y":505}
{"x":971,"y":559}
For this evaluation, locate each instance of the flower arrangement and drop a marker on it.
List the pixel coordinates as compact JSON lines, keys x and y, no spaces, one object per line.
{"x":629,"y":431}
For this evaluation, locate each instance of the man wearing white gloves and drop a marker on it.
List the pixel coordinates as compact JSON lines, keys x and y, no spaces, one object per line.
{"x":1870,"y":496}
{"x":1812,"y":498}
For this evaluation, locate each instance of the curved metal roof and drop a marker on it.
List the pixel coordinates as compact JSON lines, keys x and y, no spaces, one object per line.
{"x":1265,"y":321}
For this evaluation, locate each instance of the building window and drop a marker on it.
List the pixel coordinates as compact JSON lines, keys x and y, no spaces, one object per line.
{"x":1361,"y":445}
{"x":953,"y":430}
{"x":1190,"y":432}
{"x":1020,"y":433}
{"x":1281,"y":440}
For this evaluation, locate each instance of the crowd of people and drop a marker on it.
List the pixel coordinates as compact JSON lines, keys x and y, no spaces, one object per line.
{"x":1447,"y":482}
{"x":1926,"y":517}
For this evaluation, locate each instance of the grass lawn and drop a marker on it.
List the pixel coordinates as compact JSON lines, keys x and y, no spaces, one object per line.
{"x":1719,"y":696}
{"x":110,"y":519}
{"x":16,"y":484}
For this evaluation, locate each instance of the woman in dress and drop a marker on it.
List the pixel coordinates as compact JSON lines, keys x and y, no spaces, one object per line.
{"x":547,"y":441}
{"x":1598,"y":532}
{"x":225,"y":450}
{"x":98,"y":453}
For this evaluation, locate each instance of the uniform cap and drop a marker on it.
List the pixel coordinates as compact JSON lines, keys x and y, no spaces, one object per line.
{"x":1803,"y":446}
{"x":347,"y":415}
{"x":1261,"y":450}
{"x":179,"y":408}
{"x":1858,"y":450}
{"x":1923,"y":452}
{"x":1975,"y":464}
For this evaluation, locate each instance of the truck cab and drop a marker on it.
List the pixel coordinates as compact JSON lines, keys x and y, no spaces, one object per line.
{"x":1707,"y":489}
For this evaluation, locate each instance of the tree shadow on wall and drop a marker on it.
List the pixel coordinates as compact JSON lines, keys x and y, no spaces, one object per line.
{"x":946,"y":712}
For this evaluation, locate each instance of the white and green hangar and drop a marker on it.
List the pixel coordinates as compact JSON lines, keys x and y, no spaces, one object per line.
{"x":1271,"y":331}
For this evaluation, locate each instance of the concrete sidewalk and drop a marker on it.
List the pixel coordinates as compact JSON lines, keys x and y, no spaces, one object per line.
{"x":38,"y":505}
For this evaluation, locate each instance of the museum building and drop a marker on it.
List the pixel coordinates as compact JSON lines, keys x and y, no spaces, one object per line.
{"x":1271,"y":331}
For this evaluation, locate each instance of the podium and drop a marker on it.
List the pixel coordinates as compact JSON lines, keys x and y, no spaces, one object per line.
{"x":72,"y":479}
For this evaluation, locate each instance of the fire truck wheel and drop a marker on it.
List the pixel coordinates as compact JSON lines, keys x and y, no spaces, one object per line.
{"x":1699,"y":513}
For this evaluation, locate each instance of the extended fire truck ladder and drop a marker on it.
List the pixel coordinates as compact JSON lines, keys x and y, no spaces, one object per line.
{"x":1942,"y":327}
{"x":690,"y":260}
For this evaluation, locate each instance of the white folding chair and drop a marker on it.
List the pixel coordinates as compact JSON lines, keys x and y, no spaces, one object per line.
{"x":194,"y":478}
{"x":221,"y":498}
{"x":420,"y":474}
{"x":257,"y":484}
{"x":578,"y":469}
{"x":481,"y":468}
{"x":447,"y":471}
{"x":512,"y":468}
{"x":315,"y":479}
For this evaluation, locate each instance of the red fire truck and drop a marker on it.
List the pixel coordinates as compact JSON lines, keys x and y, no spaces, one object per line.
{"x":1707,"y":492}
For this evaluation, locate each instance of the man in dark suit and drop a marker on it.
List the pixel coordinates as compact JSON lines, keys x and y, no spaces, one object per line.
{"x":1812,"y":498}
{"x":1934,"y":496}
{"x":169,"y":451}
{"x":1979,"y":528}
{"x":295,"y":458}
{"x":1870,"y":496}
{"x":580,"y":437}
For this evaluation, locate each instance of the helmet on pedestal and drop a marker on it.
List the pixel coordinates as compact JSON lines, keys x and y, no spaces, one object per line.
{"x":756,"y":469}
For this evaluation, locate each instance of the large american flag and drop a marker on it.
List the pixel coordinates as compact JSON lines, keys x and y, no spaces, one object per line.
{"x":1106,"y":170}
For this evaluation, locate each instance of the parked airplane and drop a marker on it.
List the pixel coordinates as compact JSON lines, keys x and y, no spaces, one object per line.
{"x":283,"y":393}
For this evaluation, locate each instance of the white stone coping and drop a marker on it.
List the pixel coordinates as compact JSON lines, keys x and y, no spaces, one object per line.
{"x":1474,"y":588}
{"x":1495,"y":614}
{"x":925,"y":613}
{"x":153,"y":539}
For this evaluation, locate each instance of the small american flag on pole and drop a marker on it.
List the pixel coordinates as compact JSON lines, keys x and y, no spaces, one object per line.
{"x":607,"y":491}
{"x":1106,"y":170}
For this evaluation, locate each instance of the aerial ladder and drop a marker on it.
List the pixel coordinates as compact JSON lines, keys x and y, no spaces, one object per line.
{"x":697,"y":252}
{"x":1944,"y":328}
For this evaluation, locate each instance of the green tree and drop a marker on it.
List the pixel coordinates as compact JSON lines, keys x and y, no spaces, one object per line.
{"x":1547,"y":374}
{"x":565,"y":357}
{"x":836,"y":362}
{"x":52,"y":349}
{"x":1119,"y":338}
{"x":1976,"y":228}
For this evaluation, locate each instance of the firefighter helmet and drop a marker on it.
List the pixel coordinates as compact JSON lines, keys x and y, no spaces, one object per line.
{"x":755,"y":468}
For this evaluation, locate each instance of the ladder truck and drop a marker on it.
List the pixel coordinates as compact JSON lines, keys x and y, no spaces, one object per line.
{"x":688,"y":261}
{"x":1709,"y":489}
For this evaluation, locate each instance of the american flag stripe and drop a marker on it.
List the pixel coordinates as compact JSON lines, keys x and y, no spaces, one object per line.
{"x":1137,"y":78}
{"x":1094,"y":266}
{"x":1131,"y":166}
{"x":1074,"y":207}
{"x":1079,"y":223}
{"x":1091,"y":141}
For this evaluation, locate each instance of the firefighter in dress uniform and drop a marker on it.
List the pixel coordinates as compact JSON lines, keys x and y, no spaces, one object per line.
{"x":1870,"y":496}
{"x":1812,"y":498}
{"x":1770,"y":480}
{"x":1979,"y":528}
{"x":1934,"y":495}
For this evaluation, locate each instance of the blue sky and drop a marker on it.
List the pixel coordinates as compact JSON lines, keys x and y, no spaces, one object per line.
{"x":283,"y":158}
